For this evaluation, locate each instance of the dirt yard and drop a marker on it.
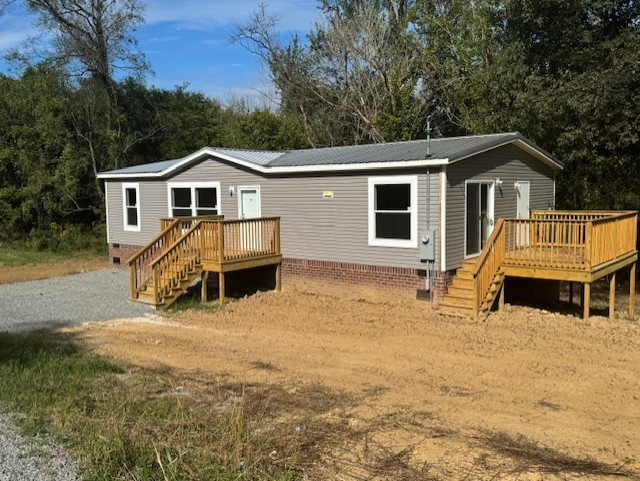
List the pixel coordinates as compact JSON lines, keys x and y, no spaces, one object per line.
{"x":385,"y":388}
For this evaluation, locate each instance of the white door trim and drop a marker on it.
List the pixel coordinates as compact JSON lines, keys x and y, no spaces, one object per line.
{"x":490,"y":211}
{"x":258,"y":194}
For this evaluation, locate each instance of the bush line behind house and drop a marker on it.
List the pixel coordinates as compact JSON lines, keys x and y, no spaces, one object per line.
{"x":64,"y":239}
{"x":126,"y":426}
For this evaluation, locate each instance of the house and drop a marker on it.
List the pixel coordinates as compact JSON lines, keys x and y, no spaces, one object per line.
{"x":404,"y":214}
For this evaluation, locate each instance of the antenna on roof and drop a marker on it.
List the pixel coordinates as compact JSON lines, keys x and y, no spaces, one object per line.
{"x":427,"y":130}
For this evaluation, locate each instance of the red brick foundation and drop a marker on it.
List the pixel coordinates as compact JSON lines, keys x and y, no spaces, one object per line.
{"x":440,"y":282}
{"x":119,"y":254}
{"x":384,"y":276}
{"x":396,"y":277}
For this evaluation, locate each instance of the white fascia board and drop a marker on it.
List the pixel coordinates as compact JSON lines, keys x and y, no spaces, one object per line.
{"x":539,"y":155}
{"x":298,"y":169}
{"x":523,"y":146}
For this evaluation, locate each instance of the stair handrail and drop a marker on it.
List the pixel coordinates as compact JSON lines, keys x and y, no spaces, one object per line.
{"x":139,"y":272}
{"x":165,"y":272}
{"x":487,"y":265}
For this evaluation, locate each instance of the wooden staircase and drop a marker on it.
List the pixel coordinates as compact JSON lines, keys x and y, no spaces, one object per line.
{"x":479,"y":281}
{"x":188,"y":248}
{"x":460,"y":300}
{"x":177,"y":288}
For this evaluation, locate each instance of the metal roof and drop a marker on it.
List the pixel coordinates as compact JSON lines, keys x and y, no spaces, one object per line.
{"x":443,"y":151}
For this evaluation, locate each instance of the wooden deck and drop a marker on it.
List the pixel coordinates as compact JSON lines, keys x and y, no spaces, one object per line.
{"x":574,"y":246}
{"x":188,"y":248}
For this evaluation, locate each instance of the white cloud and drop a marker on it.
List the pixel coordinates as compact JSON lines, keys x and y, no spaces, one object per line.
{"x":170,"y":38}
{"x":205,"y":15}
{"x":14,"y":30}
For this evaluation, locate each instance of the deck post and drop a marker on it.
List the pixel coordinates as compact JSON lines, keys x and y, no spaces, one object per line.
{"x":279,"y":277}
{"x":632,"y":289}
{"x":221,"y":286}
{"x":612,"y":295}
{"x":586,"y":289}
{"x":501,"y":298}
{"x":203,"y":288}
{"x":221,"y":242}
{"x":132,"y":281}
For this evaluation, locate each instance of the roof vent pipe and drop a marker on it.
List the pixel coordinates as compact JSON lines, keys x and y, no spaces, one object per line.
{"x":427,"y":129}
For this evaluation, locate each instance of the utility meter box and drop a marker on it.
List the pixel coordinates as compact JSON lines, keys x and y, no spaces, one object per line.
{"x":427,"y":242}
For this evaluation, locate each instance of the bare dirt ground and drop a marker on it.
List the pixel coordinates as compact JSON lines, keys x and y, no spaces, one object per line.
{"x":34,"y":272}
{"x":385,"y":388}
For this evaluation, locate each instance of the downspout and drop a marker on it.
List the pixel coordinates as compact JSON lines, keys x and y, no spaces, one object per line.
{"x":443,"y":219}
{"x":428,"y":280}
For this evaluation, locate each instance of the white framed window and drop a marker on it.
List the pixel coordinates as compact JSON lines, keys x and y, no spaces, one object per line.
{"x":393,"y":211}
{"x":131,"y":206}
{"x":192,"y":199}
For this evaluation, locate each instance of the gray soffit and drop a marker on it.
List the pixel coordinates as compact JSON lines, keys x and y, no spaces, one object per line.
{"x":357,"y":157}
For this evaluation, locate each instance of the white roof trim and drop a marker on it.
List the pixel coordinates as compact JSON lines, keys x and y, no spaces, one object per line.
{"x":298,"y":169}
{"x":279,"y":170}
{"x":522,"y":145}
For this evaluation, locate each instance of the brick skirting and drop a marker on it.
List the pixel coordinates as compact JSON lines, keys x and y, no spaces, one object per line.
{"x":385,"y":276}
{"x":398,"y":277}
{"x":119,"y":254}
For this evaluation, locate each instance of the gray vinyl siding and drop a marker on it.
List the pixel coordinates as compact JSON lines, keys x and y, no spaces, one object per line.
{"x":153,"y":206}
{"x":312,"y":227}
{"x":510,"y":164}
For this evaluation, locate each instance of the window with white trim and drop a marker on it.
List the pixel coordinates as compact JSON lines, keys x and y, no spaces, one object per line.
{"x":393,"y":211}
{"x":131,"y":206}
{"x":191,"y":200}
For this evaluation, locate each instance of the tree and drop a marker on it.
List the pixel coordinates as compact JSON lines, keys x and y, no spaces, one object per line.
{"x":358,"y":79}
{"x":94,"y":37}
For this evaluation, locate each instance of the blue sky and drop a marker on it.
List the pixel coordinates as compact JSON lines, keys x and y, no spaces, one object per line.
{"x":187,"y":41}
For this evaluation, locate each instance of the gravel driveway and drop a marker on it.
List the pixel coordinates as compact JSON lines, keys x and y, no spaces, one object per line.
{"x":69,"y":300}
{"x":49,"y":304}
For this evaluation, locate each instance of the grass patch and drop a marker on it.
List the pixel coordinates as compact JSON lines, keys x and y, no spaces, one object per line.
{"x":138,"y":426}
{"x":12,"y":255}
{"x":186,"y":302}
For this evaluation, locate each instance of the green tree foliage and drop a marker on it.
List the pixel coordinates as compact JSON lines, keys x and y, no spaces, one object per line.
{"x":40,"y":178}
{"x":356,"y":80}
{"x":566,"y":73}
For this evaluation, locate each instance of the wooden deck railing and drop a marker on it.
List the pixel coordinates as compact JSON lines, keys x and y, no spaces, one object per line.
{"x":214,"y":240}
{"x":575,"y":215}
{"x":171,"y":229}
{"x":579,"y":241}
{"x":488,"y":264}
{"x":179,"y":259}
{"x":555,"y":240}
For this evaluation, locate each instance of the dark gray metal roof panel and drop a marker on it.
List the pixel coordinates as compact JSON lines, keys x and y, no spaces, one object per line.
{"x":445,"y":148}
{"x":151,"y":168}
{"x":449,"y":149}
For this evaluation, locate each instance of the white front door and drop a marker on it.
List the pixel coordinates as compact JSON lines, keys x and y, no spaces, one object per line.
{"x":249,"y":202}
{"x":249,"y":208}
{"x":522,"y":209}
{"x":523,"y":212}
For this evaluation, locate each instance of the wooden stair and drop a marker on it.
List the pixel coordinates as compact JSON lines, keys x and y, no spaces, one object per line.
{"x":146,"y":296}
{"x":459,"y":299}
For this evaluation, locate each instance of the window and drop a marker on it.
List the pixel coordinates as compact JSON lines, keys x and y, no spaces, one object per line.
{"x":131,"y":206}
{"x":191,"y":200}
{"x":393,"y":211}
